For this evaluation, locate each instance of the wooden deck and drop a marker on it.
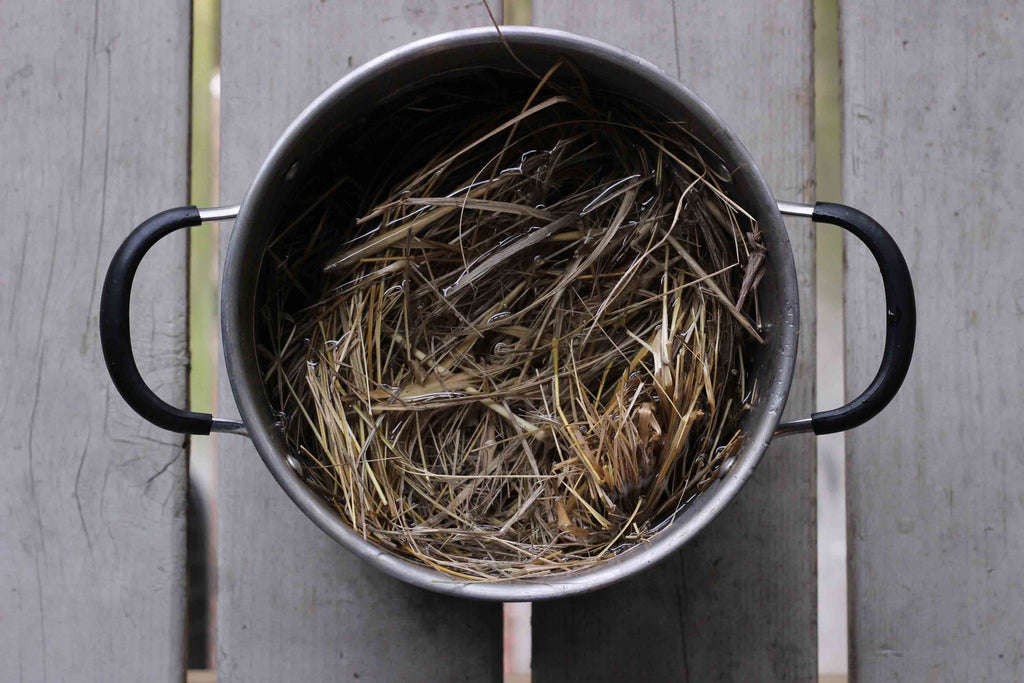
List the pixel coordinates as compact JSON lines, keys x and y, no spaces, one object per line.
{"x":94,"y":132}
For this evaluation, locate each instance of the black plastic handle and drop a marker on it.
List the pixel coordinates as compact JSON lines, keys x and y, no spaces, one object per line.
{"x":115,"y":332}
{"x":901,"y":319}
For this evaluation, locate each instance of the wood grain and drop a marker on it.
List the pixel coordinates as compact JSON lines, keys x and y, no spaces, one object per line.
{"x":294,"y":605}
{"x":739,"y":603}
{"x":94,"y":138}
{"x":933,"y":149}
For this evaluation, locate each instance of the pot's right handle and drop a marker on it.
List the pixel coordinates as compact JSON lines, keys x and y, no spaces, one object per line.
{"x":901,"y":319}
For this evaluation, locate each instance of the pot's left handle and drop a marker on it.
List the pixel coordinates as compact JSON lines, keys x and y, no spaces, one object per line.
{"x":115,"y":331}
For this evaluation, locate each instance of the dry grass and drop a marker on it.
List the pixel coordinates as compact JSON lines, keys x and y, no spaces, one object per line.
{"x":533,"y":353}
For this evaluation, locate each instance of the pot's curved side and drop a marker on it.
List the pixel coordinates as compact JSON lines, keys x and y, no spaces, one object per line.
{"x":358,"y":92}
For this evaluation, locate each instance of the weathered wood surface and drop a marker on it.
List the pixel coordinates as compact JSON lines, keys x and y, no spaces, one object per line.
{"x":934,"y":149}
{"x":94,"y":138}
{"x":739,"y":602}
{"x":294,"y":605}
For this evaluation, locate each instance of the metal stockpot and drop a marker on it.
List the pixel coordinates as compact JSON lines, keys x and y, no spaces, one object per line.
{"x":417,"y":65}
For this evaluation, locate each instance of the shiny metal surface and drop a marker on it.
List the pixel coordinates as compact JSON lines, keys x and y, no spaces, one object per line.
{"x":218,"y":424}
{"x":219,"y":213}
{"x":225,"y":426}
{"x":800,"y":426}
{"x":412,"y":66}
{"x":796,"y":209}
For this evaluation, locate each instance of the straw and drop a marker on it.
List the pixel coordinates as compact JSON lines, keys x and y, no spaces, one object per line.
{"x":517,"y":342}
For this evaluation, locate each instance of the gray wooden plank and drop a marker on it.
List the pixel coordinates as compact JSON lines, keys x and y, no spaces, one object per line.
{"x":94,"y":137}
{"x":293,"y":605}
{"x":933,"y":148}
{"x":739,"y":602}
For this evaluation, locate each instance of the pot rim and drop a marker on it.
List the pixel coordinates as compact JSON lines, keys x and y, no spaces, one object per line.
{"x":240,"y":354}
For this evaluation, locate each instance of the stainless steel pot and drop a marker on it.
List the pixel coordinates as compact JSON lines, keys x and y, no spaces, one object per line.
{"x":414,"y":65}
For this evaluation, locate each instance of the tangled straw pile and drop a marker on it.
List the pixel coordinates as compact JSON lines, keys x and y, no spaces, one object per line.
{"x":517,"y":344}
